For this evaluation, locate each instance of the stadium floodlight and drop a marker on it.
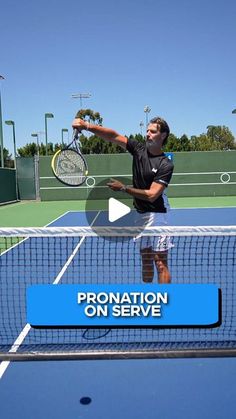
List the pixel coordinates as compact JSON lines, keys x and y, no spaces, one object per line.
{"x":81,"y":96}
{"x":147,"y":110}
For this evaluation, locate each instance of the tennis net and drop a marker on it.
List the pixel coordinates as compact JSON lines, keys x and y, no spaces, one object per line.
{"x":67,"y":255}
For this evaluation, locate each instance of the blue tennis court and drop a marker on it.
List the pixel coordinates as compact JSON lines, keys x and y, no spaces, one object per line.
{"x":160,"y":387}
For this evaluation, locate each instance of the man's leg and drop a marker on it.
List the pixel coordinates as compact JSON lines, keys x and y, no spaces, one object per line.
{"x":161,"y":262}
{"x":147,"y":264}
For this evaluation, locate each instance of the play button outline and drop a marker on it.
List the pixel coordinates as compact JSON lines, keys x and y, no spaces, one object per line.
{"x":117,"y":210}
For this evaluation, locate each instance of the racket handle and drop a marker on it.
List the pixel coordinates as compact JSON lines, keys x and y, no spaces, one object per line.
{"x":76,"y":133}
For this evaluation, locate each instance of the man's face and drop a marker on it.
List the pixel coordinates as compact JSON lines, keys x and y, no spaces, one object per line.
{"x":154,"y":136}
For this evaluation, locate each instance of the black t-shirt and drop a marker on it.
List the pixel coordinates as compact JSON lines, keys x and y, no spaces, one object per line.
{"x":147,"y":169}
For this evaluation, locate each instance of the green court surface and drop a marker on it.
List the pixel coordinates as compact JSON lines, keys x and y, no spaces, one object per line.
{"x":38,"y":214}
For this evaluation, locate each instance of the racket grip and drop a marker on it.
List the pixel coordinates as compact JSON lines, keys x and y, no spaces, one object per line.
{"x":76,"y":133}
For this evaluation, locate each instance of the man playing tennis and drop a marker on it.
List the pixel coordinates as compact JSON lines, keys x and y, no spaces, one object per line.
{"x":152,"y":172}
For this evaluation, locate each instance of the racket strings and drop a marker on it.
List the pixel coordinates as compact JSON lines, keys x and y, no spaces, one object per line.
{"x":70,"y":167}
{"x":67,"y":162}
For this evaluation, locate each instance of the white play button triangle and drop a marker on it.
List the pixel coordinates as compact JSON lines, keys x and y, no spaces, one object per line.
{"x":116,"y":210}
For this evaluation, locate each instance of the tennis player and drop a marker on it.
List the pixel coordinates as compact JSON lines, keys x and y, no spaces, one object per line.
{"x":152,"y":172}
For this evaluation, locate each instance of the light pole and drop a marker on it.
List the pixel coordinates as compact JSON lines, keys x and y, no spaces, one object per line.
{"x":141,"y":127}
{"x":1,"y":130}
{"x":62,"y":136}
{"x":147,"y":110}
{"x":47,"y":115}
{"x":81,"y":96}
{"x":12,"y":123}
{"x":36,"y":136}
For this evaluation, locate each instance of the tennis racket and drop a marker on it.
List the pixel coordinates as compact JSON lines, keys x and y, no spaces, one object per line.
{"x":68,"y":165}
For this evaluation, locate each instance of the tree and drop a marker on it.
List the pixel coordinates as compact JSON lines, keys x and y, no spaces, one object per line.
{"x":90,"y":115}
{"x":172,"y":143}
{"x":7,"y":158}
{"x":201,"y":143}
{"x":94,"y":144}
{"x":221,"y":137}
{"x":184,"y":143}
{"x":139,"y":137}
{"x":31,"y":149}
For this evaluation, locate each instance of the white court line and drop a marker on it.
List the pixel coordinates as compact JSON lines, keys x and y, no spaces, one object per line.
{"x":26,"y":238}
{"x":199,"y":208}
{"x":19,"y":340}
{"x":8,"y":202}
{"x":105,"y":176}
{"x":59,"y":216}
{"x":174,"y":174}
{"x":103,"y":187}
{"x":201,"y":184}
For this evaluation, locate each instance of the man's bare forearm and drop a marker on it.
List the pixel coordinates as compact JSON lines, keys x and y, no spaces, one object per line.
{"x":150,"y":195}
{"x":144,"y":194}
{"x":106,"y":134}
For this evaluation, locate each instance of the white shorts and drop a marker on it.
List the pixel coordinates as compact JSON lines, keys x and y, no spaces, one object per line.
{"x":160,"y":243}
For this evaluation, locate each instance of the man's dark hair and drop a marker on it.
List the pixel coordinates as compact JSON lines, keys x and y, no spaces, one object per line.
{"x":164,"y":127}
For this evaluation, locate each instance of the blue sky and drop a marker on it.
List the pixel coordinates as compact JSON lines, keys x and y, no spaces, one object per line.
{"x":177,"y":56}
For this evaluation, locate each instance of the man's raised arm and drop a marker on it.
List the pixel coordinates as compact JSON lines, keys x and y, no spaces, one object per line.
{"x":106,"y":134}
